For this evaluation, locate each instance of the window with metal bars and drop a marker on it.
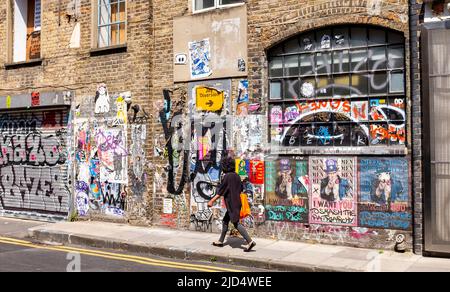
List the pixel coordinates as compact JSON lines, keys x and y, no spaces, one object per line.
{"x":339,"y":86}
{"x":111,"y":24}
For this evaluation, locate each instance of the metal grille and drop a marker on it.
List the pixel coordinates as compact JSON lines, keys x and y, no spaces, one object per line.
{"x":438,"y":90}
{"x":33,"y":167}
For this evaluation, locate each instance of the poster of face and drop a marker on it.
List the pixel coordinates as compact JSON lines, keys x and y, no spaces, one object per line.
{"x":333,"y":191}
{"x":384,"y":193}
{"x":287,"y":185}
{"x":200,"y":55}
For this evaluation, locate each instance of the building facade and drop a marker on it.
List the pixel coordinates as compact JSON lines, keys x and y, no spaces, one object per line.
{"x":321,"y":101}
{"x":124,"y":109}
{"x":68,"y":72}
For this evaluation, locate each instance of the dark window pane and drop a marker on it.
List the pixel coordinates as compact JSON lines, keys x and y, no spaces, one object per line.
{"x":292,"y":46}
{"x":323,"y":63}
{"x":341,"y":86}
{"x":341,"y":38}
{"x":276,"y":67}
{"x":291,"y":88}
{"x":360,"y":135}
{"x":291,"y":66}
{"x":397,"y":109}
{"x":203,"y":4}
{"x":324,"y":39}
{"x":307,"y":135}
{"x":359,"y":60}
{"x":396,"y":57}
{"x":397,"y":82}
{"x":359,"y":85}
{"x":307,"y":64}
{"x":325,"y":135}
{"x":341,"y":61}
{"x":358,"y":36}
{"x":275,"y":90}
{"x":307,"y":42}
{"x":324,"y":86}
{"x":377,"y":58}
{"x":378,"y":83}
{"x":395,"y":38}
{"x":342,"y":134}
{"x":226,"y":2}
{"x":377,"y":37}
{"x":276,"y":51}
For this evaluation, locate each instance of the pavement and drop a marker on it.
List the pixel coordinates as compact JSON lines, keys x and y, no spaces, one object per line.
{"x":19,"y":253}
{"x":276,"y":255}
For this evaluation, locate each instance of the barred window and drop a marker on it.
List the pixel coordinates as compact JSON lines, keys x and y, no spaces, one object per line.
{"x":339,"y":86}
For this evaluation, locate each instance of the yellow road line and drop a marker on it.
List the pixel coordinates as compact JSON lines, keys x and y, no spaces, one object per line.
{"x":137,"y":259}
{"x":14,"y":240}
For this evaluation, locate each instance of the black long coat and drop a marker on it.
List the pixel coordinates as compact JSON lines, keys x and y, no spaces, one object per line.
{"x":230,"y":189}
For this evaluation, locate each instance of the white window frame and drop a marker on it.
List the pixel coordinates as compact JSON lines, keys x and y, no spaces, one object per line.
{"x":217,"y":5}
{"x":95,"y":43}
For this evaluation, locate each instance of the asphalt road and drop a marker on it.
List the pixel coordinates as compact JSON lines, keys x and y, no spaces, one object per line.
{"x":24,"y":256}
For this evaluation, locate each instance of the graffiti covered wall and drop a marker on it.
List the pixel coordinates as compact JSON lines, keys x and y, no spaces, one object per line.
{"x":105,"y":162}
{"x":33,"y":164}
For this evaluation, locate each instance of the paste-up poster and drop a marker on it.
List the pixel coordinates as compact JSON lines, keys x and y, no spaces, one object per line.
{"x":385,"y":201}
{"x":333,"y":191}
{"x":112,"y":152}
{"x":287,"y":183}
{"x":200,"y":55}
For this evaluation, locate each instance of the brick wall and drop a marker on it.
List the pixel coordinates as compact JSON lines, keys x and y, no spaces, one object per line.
{"x":76,"y":69}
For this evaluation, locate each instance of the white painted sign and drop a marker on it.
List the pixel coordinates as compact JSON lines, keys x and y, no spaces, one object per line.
{"x":167,"y":206}
{"x":180,"y":59}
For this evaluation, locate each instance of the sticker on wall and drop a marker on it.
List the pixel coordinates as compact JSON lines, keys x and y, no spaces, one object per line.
{"x":167,"y":206}
{"x":241,"y":65}
{"x":307,"y":90}
{"x":242,"y":91}
{"x":208,"y":99}
{"x":8,"y":101}
{"x":200,"y":56}
{"x":102,"y":99}
{"x":35,"y":99}
{"x":333,"y":191}
{"x":384,"y":193}
{"x":325,"y":43}
{"x":180,"y":59}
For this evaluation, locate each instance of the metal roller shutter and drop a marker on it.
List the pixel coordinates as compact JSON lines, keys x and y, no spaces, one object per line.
{"x":33,"y":164}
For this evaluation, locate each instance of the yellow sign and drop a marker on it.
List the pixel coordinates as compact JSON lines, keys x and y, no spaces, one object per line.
{"x":8,"y":101}
{"x":209,"y":99}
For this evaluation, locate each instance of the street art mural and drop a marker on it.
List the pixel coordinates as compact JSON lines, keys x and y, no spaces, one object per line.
{"x":330,"y":105}
{"x":384,"y":200}
{"x":101,"y":154}
{"x":287,"y":185}
{"x":33,"y":156}
{"x":209,"y":107}
{"x":333,"y":193}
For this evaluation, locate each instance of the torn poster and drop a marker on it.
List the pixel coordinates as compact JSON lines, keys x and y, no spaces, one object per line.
{"x":200,"y":54}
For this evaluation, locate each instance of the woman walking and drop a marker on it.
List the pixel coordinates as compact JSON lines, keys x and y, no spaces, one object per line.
{"x":230,"y":189}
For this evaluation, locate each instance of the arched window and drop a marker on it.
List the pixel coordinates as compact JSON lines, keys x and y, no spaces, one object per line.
{"x":338,"y":87}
